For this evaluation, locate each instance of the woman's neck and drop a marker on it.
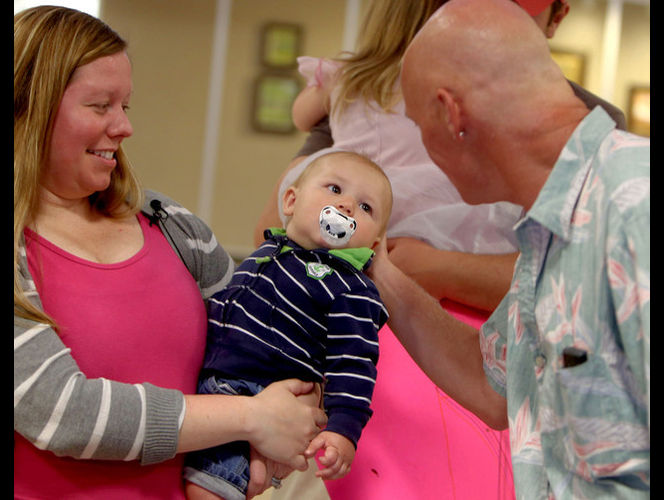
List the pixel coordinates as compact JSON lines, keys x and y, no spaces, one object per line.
{"x":77,"y":227}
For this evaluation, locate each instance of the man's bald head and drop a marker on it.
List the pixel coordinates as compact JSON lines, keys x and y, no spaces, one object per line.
{"x":480,"y":48}
{"x":479,"y":81}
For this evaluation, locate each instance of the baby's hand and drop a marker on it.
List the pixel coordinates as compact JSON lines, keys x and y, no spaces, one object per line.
{"x":339,"y":454}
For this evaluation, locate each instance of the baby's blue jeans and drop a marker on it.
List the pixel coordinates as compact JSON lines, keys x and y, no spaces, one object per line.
{"x":224,"y":469}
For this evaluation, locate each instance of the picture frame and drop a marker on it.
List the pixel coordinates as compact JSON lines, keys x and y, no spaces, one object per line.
{"x":280,"y":45}
{"x":572,"y":64}
{"x":638,"y":114}
{"x":273,"y":101}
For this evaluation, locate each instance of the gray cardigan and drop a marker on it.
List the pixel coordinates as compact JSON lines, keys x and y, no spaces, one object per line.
{"x":145,"y":418}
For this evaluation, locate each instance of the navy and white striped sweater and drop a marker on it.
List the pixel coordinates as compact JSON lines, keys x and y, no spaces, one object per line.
{"x":308,"y":314}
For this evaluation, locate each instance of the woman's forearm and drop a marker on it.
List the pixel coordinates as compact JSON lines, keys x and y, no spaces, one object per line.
{"x":275,"y":422}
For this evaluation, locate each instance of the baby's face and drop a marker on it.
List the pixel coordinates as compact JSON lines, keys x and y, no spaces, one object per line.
{"x":350,"y":186}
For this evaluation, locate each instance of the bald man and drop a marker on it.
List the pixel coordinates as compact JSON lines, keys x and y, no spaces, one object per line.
{"x":564,"y":361}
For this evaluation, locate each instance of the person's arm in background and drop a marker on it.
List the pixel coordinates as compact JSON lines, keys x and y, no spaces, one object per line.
{"x":476,"y":280}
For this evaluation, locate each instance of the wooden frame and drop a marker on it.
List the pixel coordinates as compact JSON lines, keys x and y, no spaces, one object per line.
{"x":280,"y":45}
{"x":638,"y":114}
{"x":572,"y":64}
{"x":273,"y":101}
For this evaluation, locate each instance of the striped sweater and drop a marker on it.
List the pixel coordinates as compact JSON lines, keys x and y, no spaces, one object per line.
{"x":150,"y":416}
{"x":308,"y":314}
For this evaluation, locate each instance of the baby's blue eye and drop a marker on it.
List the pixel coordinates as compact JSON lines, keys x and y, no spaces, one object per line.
{"x":366,"y":207}
{"x":334,"y":188}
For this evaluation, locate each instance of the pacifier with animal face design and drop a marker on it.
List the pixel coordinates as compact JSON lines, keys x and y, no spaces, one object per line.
{"x":335,"y":227}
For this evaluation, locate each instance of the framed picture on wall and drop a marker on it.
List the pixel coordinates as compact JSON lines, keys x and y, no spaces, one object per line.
{"x":273,"y":99}
{"x":638,"y":114}
{"x":572,"y":64}
{"x":280,"y":45}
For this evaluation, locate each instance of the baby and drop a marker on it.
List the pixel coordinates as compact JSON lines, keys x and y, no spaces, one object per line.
{"x":301,"y":307}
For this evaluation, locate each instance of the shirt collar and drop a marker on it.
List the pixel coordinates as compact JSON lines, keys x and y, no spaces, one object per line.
{"x":359,"y":257}
{"x":556,"y":201}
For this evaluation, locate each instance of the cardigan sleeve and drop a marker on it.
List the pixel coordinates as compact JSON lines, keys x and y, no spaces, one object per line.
{"x":194,"y":242}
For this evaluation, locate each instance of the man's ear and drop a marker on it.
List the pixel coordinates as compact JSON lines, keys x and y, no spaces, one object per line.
{"x":451,"y":113}
{"x":288,"y":201}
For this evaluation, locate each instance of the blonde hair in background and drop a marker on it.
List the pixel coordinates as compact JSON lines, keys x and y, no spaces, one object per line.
{"x":50,"y":43}
{"x":371,"y":72}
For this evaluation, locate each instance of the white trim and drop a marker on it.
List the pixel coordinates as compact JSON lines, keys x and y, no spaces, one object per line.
{"x":28,"y":335}
{"x":139,"y":439}
{"x":101,"y":422}
{"x":44,"y":438}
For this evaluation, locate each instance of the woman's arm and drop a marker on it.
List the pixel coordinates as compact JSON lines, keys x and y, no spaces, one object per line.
{"x":274,"y":421}
{"x":57,"y":408}
{"x":476,"y":280}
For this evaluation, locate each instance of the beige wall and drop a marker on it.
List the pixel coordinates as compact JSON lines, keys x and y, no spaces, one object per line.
{"x":582,"y":31}
{"x":171,"y":46}
{"x":251,"y":162}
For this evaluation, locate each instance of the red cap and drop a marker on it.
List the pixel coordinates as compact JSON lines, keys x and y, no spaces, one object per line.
{"x":535,"y":7}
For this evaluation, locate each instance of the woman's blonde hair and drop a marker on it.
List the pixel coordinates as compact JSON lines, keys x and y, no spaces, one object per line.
{"x":50,"y":43}
{"x":372,"y":71}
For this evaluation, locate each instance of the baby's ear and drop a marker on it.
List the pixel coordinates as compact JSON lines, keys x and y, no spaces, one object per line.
{"x":288,"y":201}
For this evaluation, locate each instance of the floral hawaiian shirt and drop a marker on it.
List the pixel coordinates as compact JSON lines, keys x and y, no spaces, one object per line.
{"x":569,"y":346}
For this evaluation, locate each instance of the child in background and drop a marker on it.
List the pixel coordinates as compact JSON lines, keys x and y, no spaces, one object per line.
{"x":301,"y":307}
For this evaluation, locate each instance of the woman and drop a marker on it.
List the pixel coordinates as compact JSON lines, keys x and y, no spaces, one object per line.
{"x":109,"y":291}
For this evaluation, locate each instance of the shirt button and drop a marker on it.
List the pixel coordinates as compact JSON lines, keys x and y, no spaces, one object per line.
{"x":540,"y":361}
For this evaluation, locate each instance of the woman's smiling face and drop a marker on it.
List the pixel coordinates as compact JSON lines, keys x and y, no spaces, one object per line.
{"x":90,"y":124}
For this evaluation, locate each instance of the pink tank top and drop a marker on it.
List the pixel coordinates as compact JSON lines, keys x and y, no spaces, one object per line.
{"x":140,"y":320}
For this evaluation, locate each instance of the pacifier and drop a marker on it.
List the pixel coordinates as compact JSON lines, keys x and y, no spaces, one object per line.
{"x":335,"y":227}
